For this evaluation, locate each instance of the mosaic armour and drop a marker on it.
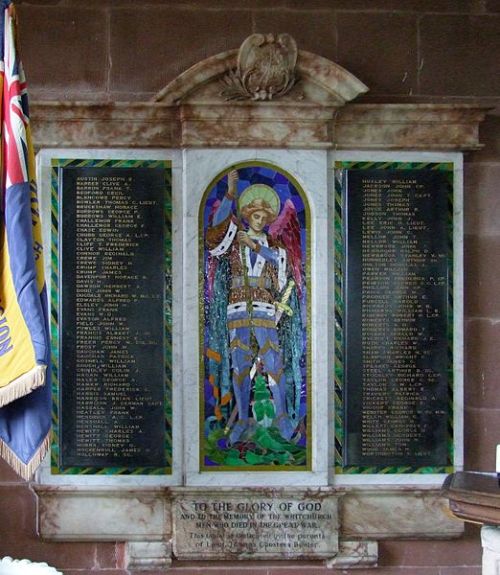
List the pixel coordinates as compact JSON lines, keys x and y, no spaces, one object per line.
{"x":246,"y":287}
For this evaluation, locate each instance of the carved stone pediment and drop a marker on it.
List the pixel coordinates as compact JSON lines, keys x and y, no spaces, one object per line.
{"x":267,"y":68}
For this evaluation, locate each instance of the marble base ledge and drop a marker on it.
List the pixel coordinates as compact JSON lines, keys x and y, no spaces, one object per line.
{"x":148,"y":555}
{"x":338,"y":527}
{"x":396,"y":512}
{"x":354,"y":554}
{"x":66,"y":513}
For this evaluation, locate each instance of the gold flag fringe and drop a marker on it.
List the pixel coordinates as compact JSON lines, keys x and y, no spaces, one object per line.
{"x":25,"y":470}
{"x":23,"y":385}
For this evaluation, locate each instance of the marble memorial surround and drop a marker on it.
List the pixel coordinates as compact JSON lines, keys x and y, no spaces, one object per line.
{"x":303,"y":118}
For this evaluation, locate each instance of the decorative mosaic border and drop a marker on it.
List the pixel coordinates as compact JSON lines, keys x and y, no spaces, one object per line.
{"x":340,"y":168}
{"x":201,"y":279}
{"x":58,"y":164}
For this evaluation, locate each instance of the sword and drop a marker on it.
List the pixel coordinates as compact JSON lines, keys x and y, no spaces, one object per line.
{"x":282,"y":306}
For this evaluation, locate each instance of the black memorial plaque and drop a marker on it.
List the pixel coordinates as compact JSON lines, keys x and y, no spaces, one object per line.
{"x":112,"y":270}
{"x":396,"y":324}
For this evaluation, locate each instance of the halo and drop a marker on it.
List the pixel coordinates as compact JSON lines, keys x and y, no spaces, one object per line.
{"x":259,"y":191}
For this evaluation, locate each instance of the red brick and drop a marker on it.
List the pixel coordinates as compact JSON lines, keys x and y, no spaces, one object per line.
{"x":465,"y":570}
{"x":8,"y":475}
{"x":238,"y":568}
{"x":222,"y":568}
{"x":464,"y":551}
{"x":121,"y":555}
{"x":434,"y":6}
{"x":149,"y":48}
{"x":80,"y":555}
{"x":368,"y":571}
{"x":64,"y":49}
{"x":287,"y":568}
{"x":481,"y":438}
{"x":481,"y":198}
{"x":107,"y":572}
{"x":38,"y":2}
{"x":482,"y":276}
{"x":380,"y":49}
{"x":106,"y":556}
{"x":493,"y":5}
{"x":17,"y":512}
{"x":297,"y":569}
{"x":20,"y":540}
{"x":459,"y":55}
{"x":482,"y":363}
{"x":373,"y":5}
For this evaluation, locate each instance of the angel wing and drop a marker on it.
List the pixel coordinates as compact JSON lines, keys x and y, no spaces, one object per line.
{"x":212,"y":262}
{"x":286,"y":231}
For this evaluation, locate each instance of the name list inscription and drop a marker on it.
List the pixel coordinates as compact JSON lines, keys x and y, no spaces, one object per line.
{"x":253,"y":526}
{"x":397,"y":318}
{"x":112,"y":321}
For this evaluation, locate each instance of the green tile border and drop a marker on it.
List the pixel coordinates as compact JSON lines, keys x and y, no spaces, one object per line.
{"x":340,"y":169}
{"x":56,"y":165}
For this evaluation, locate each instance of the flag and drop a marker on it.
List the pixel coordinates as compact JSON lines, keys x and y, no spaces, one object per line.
{"x":24,"y":341}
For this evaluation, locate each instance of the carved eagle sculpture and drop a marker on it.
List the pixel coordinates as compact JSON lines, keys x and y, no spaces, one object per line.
{"x":265,"y":68}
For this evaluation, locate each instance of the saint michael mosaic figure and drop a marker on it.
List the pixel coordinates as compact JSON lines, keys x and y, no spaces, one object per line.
{"x":255,"y":339}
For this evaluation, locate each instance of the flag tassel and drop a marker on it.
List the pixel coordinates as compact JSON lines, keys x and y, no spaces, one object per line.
{"x":25,"y":470}
{"x":23,"y":385}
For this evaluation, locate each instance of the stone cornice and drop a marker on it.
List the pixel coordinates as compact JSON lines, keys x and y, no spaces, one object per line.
{"x":409,"y":126}
{"x":269,"y":125}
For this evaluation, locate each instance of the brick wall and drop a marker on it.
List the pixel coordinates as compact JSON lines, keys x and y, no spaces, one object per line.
{"x":405,"y":51}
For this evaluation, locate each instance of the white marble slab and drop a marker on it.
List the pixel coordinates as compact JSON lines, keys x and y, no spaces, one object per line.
{"x":458,"y":333}
{"x":311,"y":171}
{"x":391,"y":512}
{"x":107,"y":513}
{"x":44,"y":159}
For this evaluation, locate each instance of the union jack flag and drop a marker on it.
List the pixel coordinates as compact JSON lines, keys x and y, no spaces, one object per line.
{"x":24,"y":344}
{"x":15,"y":113}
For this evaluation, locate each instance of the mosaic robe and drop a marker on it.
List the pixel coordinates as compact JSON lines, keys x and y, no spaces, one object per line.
{"x":256,"y":279}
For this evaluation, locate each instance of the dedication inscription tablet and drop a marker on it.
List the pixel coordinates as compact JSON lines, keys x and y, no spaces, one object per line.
{"x":396,"y":316}
{"x":255,"y":524}
{"x":113,"y":314}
